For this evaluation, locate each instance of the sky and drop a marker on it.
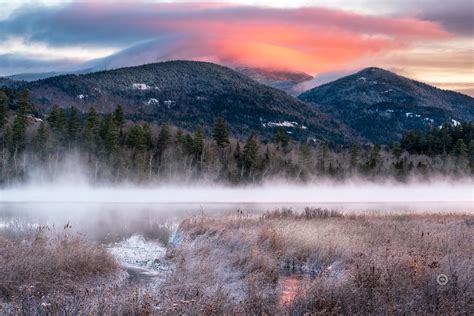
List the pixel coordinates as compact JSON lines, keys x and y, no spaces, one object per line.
{"x":429,"y":40}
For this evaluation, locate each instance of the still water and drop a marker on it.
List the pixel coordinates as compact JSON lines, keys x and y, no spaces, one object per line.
{"x":97,"y":220}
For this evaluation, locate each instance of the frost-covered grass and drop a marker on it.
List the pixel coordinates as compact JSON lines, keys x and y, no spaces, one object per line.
{"x":46,"y":268}
{"x":381,"y":264}
{"x":280,"y":262}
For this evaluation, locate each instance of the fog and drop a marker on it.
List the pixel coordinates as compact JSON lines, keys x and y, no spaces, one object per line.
{"x":349,"y":192}
{"x":102,"y":211}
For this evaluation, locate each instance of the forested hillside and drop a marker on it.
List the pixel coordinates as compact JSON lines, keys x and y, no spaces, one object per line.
{"x":187,"y":94}
{"x":380,"y":106}
{"x":111,"y":148}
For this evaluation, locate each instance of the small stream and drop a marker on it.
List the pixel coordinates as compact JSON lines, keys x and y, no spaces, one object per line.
{"x":144,"y":260}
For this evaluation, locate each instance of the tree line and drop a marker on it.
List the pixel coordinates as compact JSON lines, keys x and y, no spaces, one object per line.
{"x":111,"y":148}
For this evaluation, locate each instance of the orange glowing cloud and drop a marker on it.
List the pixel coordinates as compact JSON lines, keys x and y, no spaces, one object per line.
{"x":304,"y":39}
{"x":310,"y":40}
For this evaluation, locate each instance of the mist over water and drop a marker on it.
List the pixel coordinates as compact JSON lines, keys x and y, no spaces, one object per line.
{"x":100,"y":209}
{"x":349,"y":192}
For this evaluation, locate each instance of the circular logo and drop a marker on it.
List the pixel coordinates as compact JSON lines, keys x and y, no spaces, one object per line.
{"x":442,"y":279}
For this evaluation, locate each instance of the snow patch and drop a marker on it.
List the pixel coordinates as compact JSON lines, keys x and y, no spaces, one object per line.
{"x":140,"y":86}
{"x":387,"y":91}
{"x":169,"y":103}
{"x":409,"y":114}
{"x":152,"y":101}
{"x":82,"y":96}
{"x":137,"y":251}
{"x":390,"y":111}
{"x":455,"y":123}
{"x":362,"y":79}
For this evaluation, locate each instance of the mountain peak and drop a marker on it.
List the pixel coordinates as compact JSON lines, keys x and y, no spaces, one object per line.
{"x":381,"y":105}
{"x":187,"y":94}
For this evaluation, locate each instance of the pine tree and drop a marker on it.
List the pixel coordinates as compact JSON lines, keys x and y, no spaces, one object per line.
{"x":198,"y":142}
{"x":281,"y":138}
{"x":397,"y":150}
{"x":3,"y":109}
{"x":164,"y":138}
{"x":41,"y":140}
{"x":74,"y":124}
{"x":375,"y":158}
{"x":20,"y":123}
{"x":136,"y":138}
{"x":220,"y":133}
{"x":119,"y":117}
{"x":237,"y":151}
{"x":460,"y":150}
{"x":91,"y":131}
{"x":471,"y":155}
{"x":109,"y":134}
{"x":250,"y":156}
{"x":58,"y":124}
{"x":355,"y":152}
{"x":147,"y":136}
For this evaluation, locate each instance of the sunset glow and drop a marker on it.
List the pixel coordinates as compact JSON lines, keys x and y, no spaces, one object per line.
{"x":306,"y":36}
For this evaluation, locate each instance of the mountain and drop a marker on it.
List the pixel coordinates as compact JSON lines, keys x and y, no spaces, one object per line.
{"x":44,"y":75}
{"x":11,"y":84}
{"x":188,"y":94}
{"x":279,"y":79}
{"x":379,"y":105}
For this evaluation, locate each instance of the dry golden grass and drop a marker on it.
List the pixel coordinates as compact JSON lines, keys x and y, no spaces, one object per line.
{"x":361,"y":264}
{"x":50,"y":262}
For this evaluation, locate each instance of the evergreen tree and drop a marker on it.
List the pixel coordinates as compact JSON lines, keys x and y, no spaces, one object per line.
{"x":147,"y":136}
{"x":198,"y":142}
{"x":180,"y":138}
{"x":41,"y":140}
{"x":375,"y":158}
{"x":74,"y":124}
{"x":119,"y":117}
{"x":237,"y":152}
{"x":136,"y":138}
{"x":220,"y":133}
{"x":355,"y":152}
{"x":109,"y":134}
{"x":91,"y":131}
{"x":281,"y":138}
{"x":250,"y":155}
{"x":3,"y":109}
{"x":164,"y":138}
{"x":471,"y":155}
{"x":460,"y":150}
{"x":58,"y":124}
{"x":397,"y":150}
{"x":20,"y":123}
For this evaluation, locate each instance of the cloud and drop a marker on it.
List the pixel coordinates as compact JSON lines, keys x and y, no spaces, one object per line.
{"x":303,"y":39}
{"x":14,"y":64}
{"x":456,"y":16}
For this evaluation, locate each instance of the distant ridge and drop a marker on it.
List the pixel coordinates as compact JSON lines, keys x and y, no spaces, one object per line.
{"x":380,"y":105}
{"x":189,"y":94}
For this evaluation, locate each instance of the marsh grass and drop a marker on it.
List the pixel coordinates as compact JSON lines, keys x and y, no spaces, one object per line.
{"x":370,"y":263}
{"x":50,"y":262}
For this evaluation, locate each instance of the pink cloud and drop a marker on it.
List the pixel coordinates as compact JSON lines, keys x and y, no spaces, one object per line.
{"x":304,"y":39}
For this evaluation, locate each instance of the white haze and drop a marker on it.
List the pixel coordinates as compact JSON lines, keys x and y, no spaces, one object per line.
{"x":349,"y":192}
